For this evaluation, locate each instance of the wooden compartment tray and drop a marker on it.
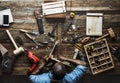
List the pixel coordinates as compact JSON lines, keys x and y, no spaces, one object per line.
{"x":99,"y":56}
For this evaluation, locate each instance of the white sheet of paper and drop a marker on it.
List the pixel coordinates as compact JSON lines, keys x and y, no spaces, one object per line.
{"x":94,"y":24}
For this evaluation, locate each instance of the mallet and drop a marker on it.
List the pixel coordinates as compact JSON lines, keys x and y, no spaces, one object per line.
{"x":110,"y":32}
{"x":17,"y":50}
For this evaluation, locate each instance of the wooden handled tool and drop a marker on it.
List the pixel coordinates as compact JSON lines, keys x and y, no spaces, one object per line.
{"x":29,"y":32}
{"x":39,"y":23}
{"x":17,"y":50}
{"x":110,"y":32}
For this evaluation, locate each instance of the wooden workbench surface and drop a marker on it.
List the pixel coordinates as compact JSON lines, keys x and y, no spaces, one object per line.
{"x":24,"y":19}
{"x":22,"y":64}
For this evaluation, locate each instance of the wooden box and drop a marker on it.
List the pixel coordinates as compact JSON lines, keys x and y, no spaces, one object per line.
{"x":54,"y":9}
{"x":99,"y":56}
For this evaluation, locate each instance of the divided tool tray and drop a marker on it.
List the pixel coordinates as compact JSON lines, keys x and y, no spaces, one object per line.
{"x":99,"y":56}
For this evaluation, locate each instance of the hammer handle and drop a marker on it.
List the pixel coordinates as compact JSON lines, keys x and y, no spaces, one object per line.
{"x":11,"y":38}
{"x":101,"y":37}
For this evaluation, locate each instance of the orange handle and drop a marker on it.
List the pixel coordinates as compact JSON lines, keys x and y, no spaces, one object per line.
{"x":32,"y":67}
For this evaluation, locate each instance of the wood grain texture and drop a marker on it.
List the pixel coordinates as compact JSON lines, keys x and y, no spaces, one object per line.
{"x":23,"y":16}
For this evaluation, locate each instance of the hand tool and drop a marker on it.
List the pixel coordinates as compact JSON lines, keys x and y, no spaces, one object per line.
{"x":110,"y":32}
{"x":47,"y":58}
{"x":67,"y":27}
{"x":85,"y":40}
{"x":43,"y":38}
{"x":17,"y":50}
{"x":78,"y":46}
{"x":34,"y":59}
{"x":75,"y":53}
{"x":51,"y":34}
{"x":29,"y":32}
{"x":39,"y":23}
{"x":9,"y":59}
{"x":33,"y":39}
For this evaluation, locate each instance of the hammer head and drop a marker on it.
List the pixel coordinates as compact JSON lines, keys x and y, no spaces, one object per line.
{"x":111,"y":32}
{"x":18,"y":51}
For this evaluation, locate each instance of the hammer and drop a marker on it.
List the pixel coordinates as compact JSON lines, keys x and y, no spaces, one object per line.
{"x":110,"y":32}
{"x":17,"y":50}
